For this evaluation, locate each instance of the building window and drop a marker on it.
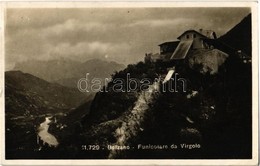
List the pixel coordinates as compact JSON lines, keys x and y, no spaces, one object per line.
{"x":187,"y":36}
{"x":194,"y":35}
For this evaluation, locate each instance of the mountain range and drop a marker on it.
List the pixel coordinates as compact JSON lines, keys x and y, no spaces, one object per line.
{"x":67,"y":72}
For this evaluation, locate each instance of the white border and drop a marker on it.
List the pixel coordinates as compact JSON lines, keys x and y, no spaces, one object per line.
{"x":252,"y":5}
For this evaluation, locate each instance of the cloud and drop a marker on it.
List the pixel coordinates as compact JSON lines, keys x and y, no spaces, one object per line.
{"x":73,"y":25}
{"x":162,"y":23}
{"x":90,"y":50}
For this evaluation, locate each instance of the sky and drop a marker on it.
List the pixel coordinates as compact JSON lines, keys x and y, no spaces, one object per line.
{"x":123,"y":35}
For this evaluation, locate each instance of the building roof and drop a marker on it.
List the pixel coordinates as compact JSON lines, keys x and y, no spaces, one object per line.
{"x":204,"y":33}
{"x":182,"y":49}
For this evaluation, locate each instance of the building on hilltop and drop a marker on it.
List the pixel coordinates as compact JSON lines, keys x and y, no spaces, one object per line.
{"x":188,"y":40}
{"x":192,"y":39}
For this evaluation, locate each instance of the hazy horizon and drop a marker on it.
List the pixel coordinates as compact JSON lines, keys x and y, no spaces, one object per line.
{"x":122,"y":35}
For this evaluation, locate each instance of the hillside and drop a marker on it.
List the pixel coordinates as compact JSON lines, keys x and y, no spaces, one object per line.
{"x":25,"y":92}
{"x":213,"y":113}
{"x":67,"y":72}
{"x":209,"y":113}
{"x":240,"y":36}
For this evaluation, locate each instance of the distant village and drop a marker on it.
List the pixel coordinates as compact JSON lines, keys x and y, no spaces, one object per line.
{"x":192,"y":40}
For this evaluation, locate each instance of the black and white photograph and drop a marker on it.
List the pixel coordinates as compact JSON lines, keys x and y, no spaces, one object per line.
{"x":131,"y":83}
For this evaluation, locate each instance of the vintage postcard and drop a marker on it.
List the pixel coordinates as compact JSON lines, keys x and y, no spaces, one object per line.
{"x":112,"y":83}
